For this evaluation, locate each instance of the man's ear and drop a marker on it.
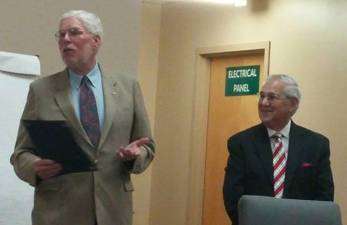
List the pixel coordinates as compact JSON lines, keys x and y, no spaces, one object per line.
{"x":97,"y":41}
{"x":294,"y":105}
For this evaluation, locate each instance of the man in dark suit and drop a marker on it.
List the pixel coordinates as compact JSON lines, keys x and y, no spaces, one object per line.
{"x":302,"y":171}
{"x":107,"y":119}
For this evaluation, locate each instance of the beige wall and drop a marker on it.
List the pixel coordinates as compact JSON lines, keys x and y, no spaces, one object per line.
{"x":147,"y":75}
{"x":307,"y":41}
{"x":28,"y":27}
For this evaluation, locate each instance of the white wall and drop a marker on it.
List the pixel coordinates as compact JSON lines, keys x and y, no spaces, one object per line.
{"x":16,"y":73}
{"x":15,"y":196}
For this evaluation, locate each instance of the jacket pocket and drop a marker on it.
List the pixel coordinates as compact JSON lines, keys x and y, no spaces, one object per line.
{"x":51,"y":184}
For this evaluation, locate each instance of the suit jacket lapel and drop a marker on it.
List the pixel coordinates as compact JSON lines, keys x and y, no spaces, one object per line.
{"x":111,"y":93}
{"x":294,"y":153}
{"x":62,"y":97}
{"x":263,"y":150}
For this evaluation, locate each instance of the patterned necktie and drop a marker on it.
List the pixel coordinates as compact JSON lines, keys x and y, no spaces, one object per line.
{"x":279,"y":165}
{"x":88,"y":112}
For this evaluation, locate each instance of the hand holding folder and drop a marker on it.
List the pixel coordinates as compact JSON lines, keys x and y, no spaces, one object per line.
{"x":46,"y":168}
{"x":53,"y":140}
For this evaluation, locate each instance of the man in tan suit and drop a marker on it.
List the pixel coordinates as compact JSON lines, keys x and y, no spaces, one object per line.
{"x":122,"y":143}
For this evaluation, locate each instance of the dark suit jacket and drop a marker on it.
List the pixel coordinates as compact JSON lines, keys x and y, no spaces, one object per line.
{"x":81,"y":198}
{"x":249,"y":168}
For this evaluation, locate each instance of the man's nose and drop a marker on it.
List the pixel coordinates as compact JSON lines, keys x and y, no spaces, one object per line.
{"x":65,"y":37}
{"x":264,"y":101}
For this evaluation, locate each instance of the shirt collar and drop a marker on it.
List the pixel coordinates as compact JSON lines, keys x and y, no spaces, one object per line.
{"x":93,"y":77}
{"x":284,"y":131}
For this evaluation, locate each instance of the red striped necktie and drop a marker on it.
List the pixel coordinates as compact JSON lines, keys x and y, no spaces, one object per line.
{"x":279,"y":165}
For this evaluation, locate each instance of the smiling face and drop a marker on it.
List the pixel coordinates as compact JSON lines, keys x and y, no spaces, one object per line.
{"x":77,"y":46}
{"x":274,"y":108}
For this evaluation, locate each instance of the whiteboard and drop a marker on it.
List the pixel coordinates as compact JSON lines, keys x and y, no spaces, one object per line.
{"x":17,"y":71}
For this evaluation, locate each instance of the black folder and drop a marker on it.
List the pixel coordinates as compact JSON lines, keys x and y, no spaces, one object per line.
{"x":53,"y":140}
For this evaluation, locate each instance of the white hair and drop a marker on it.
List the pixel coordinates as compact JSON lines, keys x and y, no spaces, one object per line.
{"x":291,"y":89}
{"x":89,"y":20}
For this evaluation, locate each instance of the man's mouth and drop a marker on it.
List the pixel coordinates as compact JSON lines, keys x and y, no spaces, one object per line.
{"x":68,"y":50}
{"x":266,"y":111}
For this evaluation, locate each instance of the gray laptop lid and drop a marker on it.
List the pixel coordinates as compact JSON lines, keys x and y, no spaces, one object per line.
{"x":261,"y":210}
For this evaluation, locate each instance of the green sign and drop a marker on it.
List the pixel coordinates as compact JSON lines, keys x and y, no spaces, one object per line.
{"x":242,"y":80}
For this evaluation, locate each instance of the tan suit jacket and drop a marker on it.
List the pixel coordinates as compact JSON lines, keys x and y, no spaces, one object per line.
{"x":83,"y":198}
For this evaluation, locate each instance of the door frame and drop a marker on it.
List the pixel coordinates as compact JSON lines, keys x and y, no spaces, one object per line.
{"x":203,"y":58}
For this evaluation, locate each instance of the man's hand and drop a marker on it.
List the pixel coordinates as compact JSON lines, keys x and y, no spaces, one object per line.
{"x":132,"y":150}
{"x":46,"y":168}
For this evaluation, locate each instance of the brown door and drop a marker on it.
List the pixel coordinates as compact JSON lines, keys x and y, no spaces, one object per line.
{"x":226,"y":116}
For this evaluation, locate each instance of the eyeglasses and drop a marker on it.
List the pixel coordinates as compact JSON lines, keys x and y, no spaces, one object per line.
{"x":72,"y":32}
{"x":271,"y":97}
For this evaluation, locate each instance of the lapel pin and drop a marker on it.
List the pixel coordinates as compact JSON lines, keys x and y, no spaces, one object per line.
{"x":114,"y":86}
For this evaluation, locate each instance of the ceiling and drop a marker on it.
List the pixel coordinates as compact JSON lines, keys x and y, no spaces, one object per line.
{"x":206,"y":1}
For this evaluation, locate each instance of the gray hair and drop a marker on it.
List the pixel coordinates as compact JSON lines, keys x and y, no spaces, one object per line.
{"x":89,"y":20}
{"x":291,"y":89}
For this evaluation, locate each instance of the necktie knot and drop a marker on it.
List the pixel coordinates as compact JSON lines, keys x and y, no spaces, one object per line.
{"x":277,"y":137}
{"x":84,"y":81}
